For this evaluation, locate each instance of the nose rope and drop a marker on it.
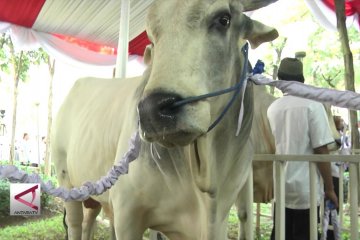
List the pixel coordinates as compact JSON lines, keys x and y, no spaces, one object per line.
{"x":235,"y":88}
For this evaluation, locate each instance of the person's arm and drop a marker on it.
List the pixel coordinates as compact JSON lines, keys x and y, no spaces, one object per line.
{"x":325,"y":171}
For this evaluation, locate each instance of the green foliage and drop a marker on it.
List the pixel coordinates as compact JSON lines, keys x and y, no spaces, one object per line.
{"x":18,"y":62}
{"x":4,"y":198}
{"x":324,"y":63}
{"x":4,"y":51}
{"x":354,"y":36}
{"x":354,"y":39}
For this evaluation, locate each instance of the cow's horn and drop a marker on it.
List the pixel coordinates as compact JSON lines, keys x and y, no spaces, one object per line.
{"x":250,"y":5}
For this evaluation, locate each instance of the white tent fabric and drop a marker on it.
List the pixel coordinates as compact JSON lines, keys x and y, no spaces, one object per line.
{"x":29,"y":39}
{"x":96,"y":22}
{"x":93,"y":21}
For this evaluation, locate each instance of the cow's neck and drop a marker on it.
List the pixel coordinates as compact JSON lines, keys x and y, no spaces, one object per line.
{"x":218,"y":153}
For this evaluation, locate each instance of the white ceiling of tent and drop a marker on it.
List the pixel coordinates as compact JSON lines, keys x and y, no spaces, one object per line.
{"x":95,"y":21}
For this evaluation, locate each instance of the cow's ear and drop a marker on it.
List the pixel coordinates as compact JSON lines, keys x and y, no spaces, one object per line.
{"x":147,"y":54}
{"x":258,"y":33}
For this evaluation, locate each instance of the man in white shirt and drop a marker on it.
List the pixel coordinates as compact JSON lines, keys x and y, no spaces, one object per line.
{"x":300,"y":126}
{"x":25,"y":150}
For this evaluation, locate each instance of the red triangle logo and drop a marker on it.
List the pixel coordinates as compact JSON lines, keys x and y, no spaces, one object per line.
{"x":29,"y":204}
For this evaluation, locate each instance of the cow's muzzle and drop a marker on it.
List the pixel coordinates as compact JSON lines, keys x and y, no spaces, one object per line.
{"x":163,"y":122}
{"x":156,"y":112}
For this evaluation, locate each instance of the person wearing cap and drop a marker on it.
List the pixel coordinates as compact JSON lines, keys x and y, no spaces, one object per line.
{"x":300,"y":126}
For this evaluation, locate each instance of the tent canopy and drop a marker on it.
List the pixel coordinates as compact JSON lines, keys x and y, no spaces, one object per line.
{"x":93,"y":25}
{"x":88,"y":31}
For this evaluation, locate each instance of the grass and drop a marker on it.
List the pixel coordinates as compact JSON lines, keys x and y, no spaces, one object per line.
{"x":47,"y":229}
{"x":262,"y":233}
{"x":50,"y":228}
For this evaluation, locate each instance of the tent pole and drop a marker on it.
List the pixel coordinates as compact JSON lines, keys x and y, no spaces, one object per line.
{"x":123,"y":46}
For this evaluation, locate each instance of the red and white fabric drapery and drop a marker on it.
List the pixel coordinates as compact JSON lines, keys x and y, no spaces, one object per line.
{"x":28,"y":39}
{"x":324,"y":12}
{"x":75,"y":31}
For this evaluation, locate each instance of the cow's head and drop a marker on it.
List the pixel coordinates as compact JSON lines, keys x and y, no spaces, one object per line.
{"x":196,"y":49}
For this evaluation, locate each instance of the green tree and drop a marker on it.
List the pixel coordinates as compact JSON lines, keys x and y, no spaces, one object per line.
{"x":17,"y":64}
{"x":349,"y":73}
{"x":324,"y":65}
{"x":278,"y":47}
{"x":354,"y":41}
{"x":324,"y":62}
{"x":51,"y":67}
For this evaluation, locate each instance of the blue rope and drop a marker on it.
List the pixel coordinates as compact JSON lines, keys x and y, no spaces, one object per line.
{"x":237,"y":87}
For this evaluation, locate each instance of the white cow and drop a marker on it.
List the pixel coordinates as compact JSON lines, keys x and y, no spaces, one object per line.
{"x":263,"y":143}
{"x":186,"y":179}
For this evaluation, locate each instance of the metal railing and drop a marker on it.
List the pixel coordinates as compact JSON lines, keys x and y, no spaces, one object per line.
{"x":279,"y":172}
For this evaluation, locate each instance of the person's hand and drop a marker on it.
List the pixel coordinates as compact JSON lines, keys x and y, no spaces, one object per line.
{"x":331,"y":195}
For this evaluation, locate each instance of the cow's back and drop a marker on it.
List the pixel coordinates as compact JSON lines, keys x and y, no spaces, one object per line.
{"x":88,"y":127}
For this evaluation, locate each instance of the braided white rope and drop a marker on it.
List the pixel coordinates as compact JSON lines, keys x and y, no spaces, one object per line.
{"x":89,"y":188}
{"x":345,"y":99}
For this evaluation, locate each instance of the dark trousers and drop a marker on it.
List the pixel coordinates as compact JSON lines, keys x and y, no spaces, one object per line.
{"x":297,"y":224}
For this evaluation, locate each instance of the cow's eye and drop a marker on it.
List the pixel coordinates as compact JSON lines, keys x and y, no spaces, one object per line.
{"x":220,"y":21}
{"x":225,"y":20}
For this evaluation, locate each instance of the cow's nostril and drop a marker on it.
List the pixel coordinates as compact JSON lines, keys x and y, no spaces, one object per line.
{"x":162,"y":101}
{"x":156,"y":109}
{"x":167,"y":106}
